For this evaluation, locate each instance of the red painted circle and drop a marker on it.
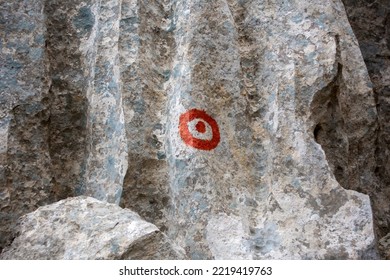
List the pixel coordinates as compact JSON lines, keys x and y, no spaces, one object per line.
{"x":189,"y":139}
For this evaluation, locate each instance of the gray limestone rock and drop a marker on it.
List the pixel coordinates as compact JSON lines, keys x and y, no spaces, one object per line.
{"x":87,"y":137}
{"x":241,"y":129}
{"x":25,"y":176}
{"x":267,"y":75}
{"x":61,"y":116}
{"x":86,"y":228}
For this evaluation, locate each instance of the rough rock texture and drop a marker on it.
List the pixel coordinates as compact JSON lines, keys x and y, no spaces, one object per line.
{"x":239,"y":128}
{"x":268,"y":73}
{"x":87,"y":137}
{"x":384,"y":246}
{"x":86,"y":228}
{"x":370,"y":21}
{"x":61,"y":122}
{"x":25,"y":180}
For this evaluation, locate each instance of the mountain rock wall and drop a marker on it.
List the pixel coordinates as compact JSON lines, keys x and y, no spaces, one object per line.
{"x":241,"y":129}
{"x":25,"y":161}
{"x":370,"y":21}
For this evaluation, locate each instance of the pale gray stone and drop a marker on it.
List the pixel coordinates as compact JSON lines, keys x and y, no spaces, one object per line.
{"x":268,"y":72}
{"x":289,"y":131}
{"x":85,"y":228}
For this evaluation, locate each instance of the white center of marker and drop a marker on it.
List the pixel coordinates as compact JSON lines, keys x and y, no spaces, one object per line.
{"x":193,"y":127}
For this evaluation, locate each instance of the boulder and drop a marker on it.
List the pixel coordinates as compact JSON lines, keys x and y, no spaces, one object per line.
{"x":84,"y":228}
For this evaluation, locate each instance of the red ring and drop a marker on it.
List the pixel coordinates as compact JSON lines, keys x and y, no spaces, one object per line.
{"x":197,"y":143}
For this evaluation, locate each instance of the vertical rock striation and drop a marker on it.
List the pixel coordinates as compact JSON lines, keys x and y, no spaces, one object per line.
{"x":62,"y":122}
{"x":71,"y":45}
{"x":107,"y":150}
{"x":87,"y":143}
{"x":146,"y":48}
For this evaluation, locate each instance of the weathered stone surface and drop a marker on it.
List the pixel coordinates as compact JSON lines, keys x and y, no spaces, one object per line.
{"x":87,"y":136}
{"x":370,"y":21}
{"x":86,"y":228}
{"x":71,"y":50}
{"x":384,"y":246}
{"x":25,"y":179}
{"x":240,"y":122}
{"x":267,"y":73}
{"x":61,"y":120}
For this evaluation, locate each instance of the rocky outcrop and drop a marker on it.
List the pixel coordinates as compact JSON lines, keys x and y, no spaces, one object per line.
{"x":86,"y":228}
{"x":241,"y":129}
{"x":370,"y":21}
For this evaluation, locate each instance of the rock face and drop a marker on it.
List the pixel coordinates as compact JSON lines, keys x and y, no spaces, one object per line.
{"x":267,"y":74}
{"x":25,"y":176}
{"x":87,"y":136}
{"x":370,"y":21}
{"x":241,"y":129}
{"x":86,"y":228}
{"x":384,"y":246}
{"x":62,"y":123}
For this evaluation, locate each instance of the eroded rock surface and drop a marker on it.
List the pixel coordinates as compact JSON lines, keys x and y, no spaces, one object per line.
{"x":239,"y":128}
{"x":86,"y":228}
{"x":370,"y":21}
{"x":87,"y":136}
{"x":61,"y":120}
{"x":25,"y":177}
{"x":384,"y":246}
{"x":266,"y":73}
